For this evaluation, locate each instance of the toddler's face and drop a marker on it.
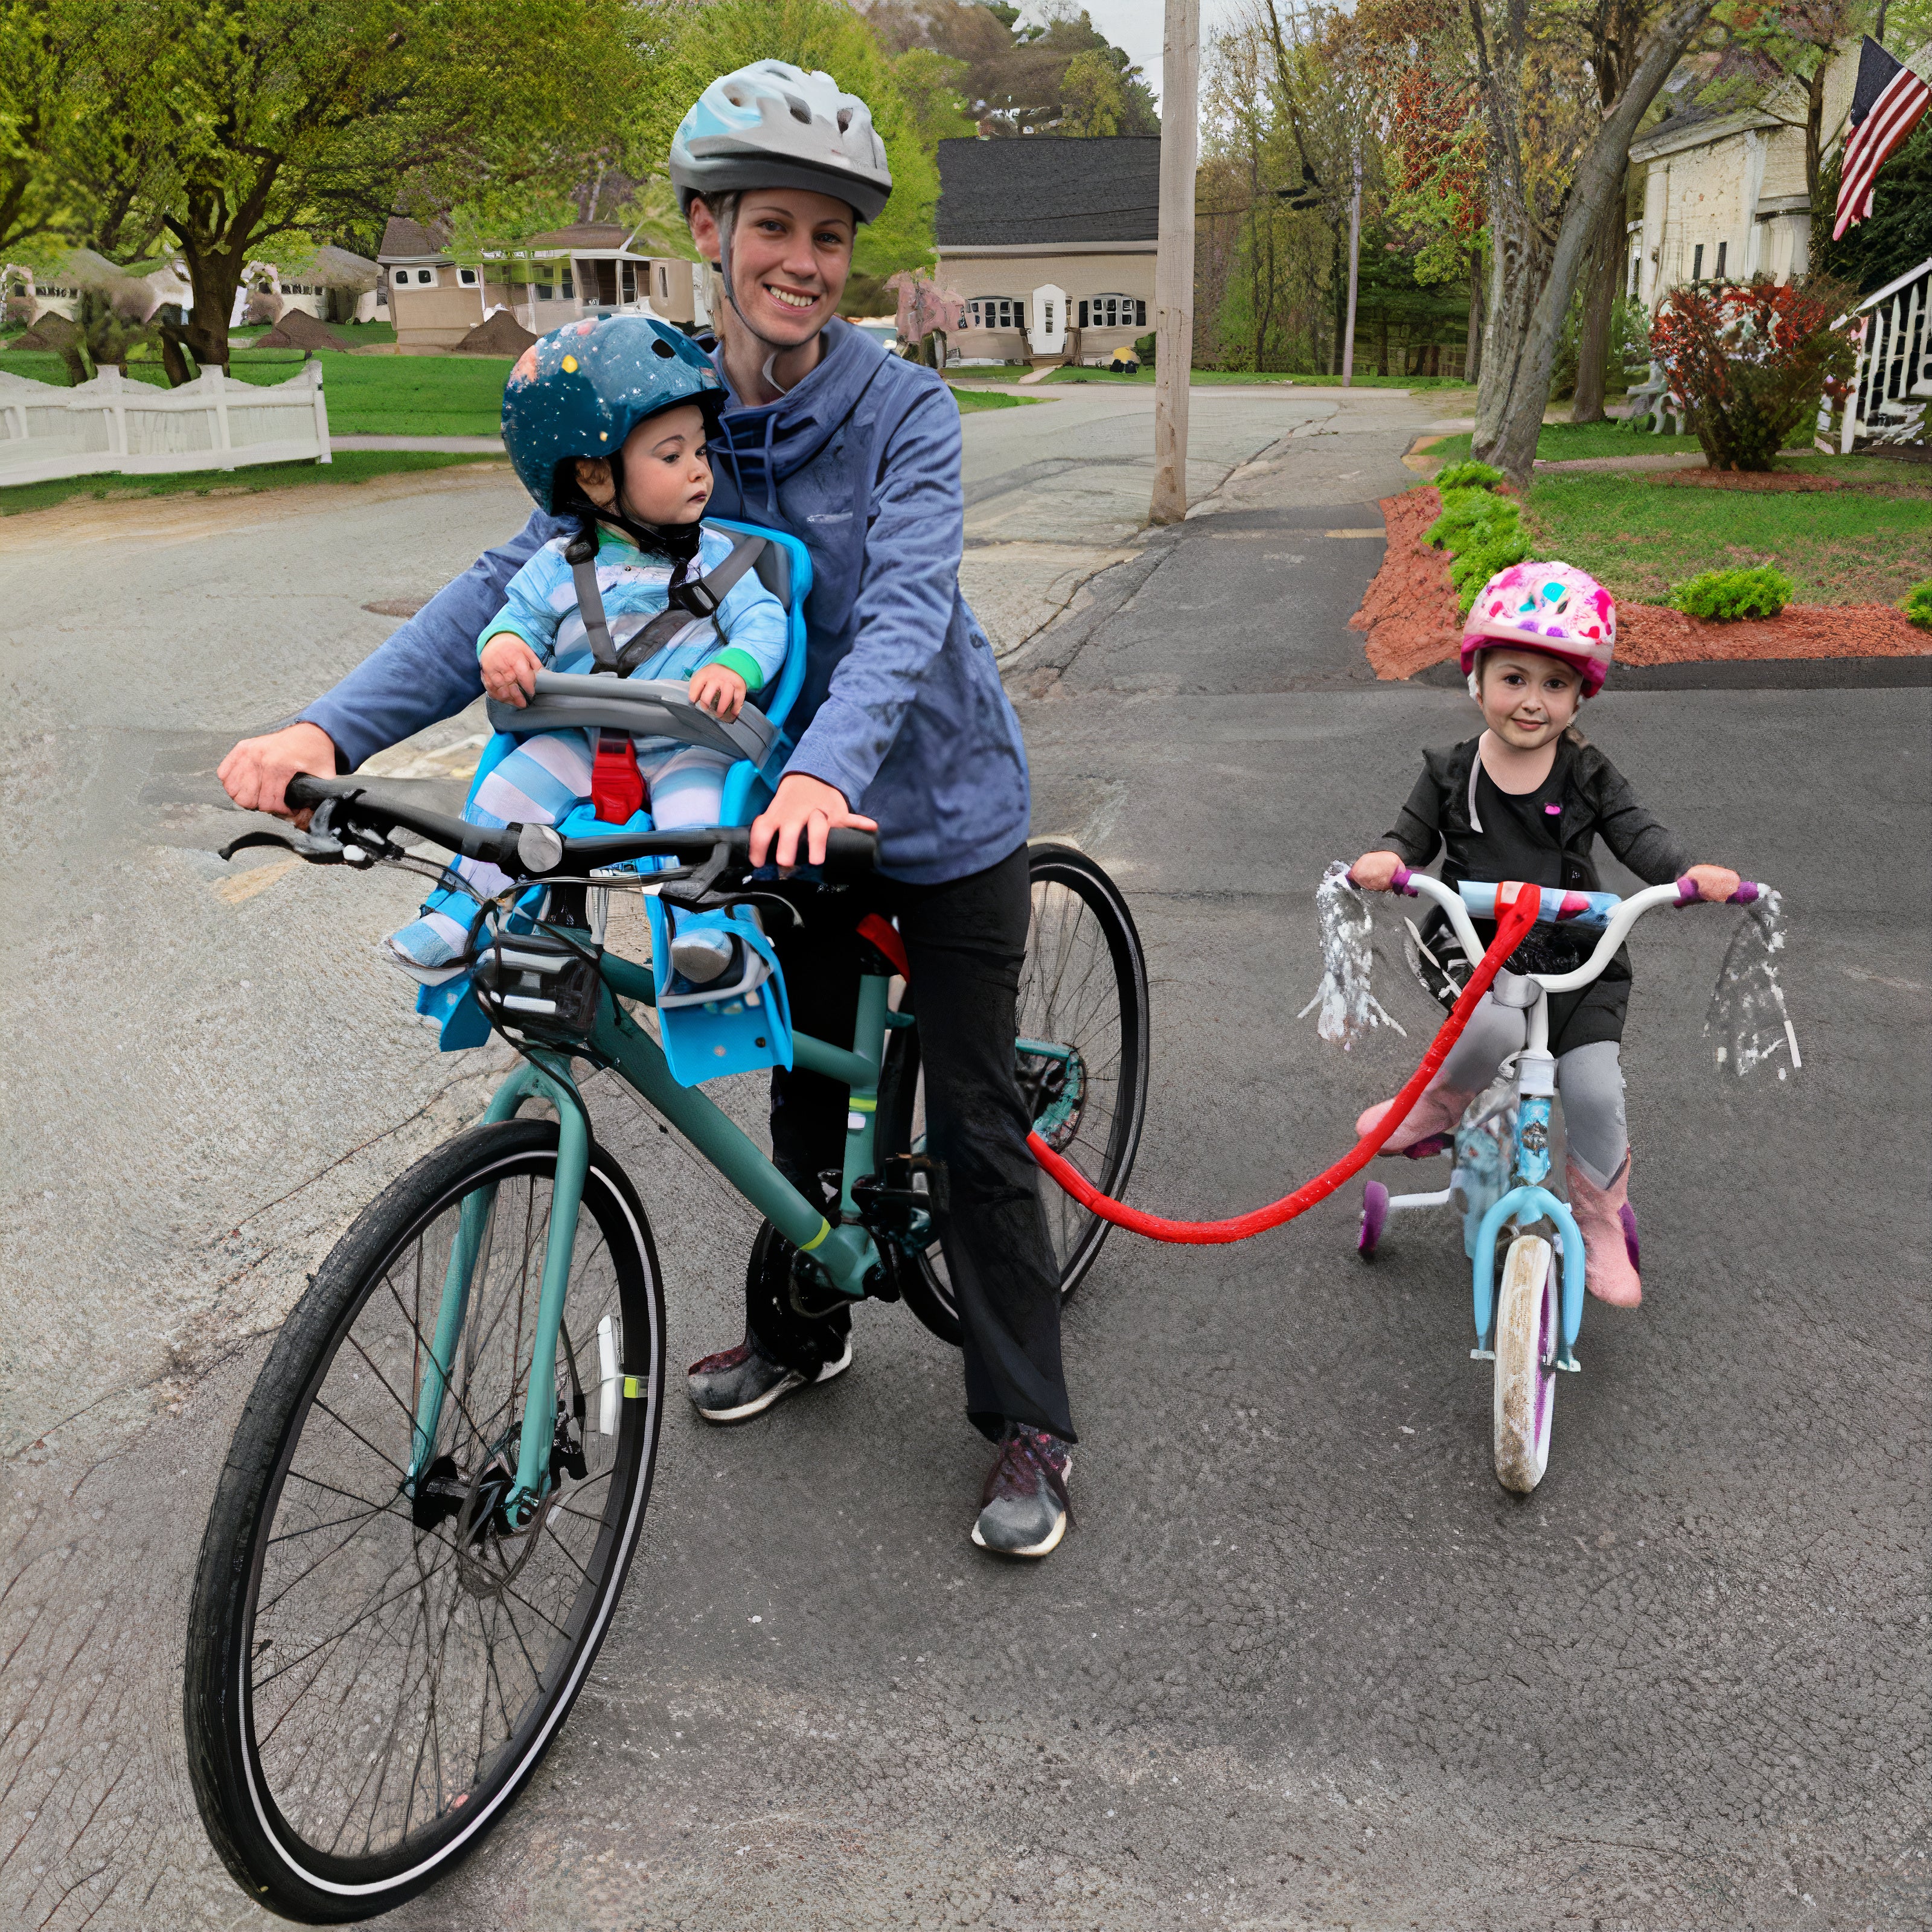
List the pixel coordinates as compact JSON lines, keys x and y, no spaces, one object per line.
{"x":667,"y":474}
{"x":1528,"y":699}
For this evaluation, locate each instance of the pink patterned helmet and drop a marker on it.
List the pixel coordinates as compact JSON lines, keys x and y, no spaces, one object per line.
{"x":1551,"y":607}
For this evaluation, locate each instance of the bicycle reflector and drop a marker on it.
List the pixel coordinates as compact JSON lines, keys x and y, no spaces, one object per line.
{"x":543,"y":988}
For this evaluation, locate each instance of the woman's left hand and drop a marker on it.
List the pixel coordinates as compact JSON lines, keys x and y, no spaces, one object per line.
{"x":1714,"y":883}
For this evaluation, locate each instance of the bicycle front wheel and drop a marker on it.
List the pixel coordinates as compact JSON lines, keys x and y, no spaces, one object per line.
{"x":1081,"y":1058}
{"x":371,"y":1673}
{"x":1529,"y":1316}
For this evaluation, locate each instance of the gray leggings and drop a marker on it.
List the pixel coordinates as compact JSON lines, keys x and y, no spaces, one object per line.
{"x":1590,"y":1078}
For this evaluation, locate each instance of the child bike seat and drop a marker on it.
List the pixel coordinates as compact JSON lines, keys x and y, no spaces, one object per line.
{"x":653,"y":707}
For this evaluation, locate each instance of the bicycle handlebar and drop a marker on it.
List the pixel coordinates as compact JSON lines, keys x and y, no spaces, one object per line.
{"x":538,"y":851}
{"x":1604,"y":912}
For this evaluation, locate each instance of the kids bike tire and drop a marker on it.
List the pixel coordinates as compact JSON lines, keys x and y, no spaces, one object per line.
{"x":1528,"y":1315}
{"x":921,"y":1278}
{"x":240,"y":1806}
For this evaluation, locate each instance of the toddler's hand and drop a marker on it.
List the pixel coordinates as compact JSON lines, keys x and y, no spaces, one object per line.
{"x":718,"y":690}
{"x":1714,"y":883}
{"x":510,"y":669}
{"x":1374,"y":871}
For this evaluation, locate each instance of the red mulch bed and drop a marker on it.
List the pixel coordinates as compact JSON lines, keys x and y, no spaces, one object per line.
{"x":1799,"y":480}
{"x":1409,"y":613}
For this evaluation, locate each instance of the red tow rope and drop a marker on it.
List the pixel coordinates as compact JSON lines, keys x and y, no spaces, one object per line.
{"x":1518,"y":908}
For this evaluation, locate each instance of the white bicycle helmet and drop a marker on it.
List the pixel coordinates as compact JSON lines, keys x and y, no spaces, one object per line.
{"x":772,"y":125}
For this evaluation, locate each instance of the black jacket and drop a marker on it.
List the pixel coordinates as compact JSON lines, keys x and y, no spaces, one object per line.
{"x":1546,"y":838}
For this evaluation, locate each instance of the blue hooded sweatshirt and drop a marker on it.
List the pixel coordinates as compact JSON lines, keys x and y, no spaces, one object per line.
{"x":902,"y":709}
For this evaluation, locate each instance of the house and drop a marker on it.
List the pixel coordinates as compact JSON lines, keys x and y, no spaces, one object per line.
{"x":1052,"y":242}
{"x":1724,"y":195}
{"x":549,"y":279}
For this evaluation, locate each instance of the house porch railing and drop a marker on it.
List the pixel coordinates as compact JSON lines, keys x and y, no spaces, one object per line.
{"x":1894,"y":384}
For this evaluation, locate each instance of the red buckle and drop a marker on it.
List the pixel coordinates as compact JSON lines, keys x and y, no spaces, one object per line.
{"x":617,"y":789}
{"x":879,"y":933}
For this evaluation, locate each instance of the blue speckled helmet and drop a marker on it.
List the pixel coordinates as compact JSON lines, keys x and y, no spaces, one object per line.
{"x":580,"y":390}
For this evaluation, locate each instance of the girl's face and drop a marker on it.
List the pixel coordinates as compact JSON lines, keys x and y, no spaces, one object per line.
{"x":667,"y":474}
{"x":1528,"y":700}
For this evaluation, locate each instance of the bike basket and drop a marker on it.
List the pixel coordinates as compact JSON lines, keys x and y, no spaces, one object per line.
{"x":543,"y":988}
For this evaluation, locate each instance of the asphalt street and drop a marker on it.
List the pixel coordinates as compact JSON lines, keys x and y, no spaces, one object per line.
{"x":1301,"y":1663}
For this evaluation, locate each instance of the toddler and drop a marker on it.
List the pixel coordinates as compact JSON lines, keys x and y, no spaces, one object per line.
{"x":606,"y":420}
{"x":1527,"y":799}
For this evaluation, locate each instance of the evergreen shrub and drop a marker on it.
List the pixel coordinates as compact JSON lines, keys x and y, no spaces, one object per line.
{"x":1917,"y":604}
{"x":1728,"y":595}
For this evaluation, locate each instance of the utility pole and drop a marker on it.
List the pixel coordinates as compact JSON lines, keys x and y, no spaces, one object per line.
{"x":1354,"y":276}
{"x":1174,"y":266}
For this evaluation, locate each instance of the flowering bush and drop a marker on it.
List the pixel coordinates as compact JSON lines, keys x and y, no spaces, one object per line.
{"x":1750,"y":360}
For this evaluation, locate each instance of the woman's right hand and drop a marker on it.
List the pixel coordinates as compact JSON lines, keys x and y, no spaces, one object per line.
{"x":510,"y":669}
{"x":1374,"y":871}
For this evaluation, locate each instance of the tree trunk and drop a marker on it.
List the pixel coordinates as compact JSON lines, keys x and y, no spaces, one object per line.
{"x":1599,"y":293}
{"x":1472,"y":351}
{"x":1533,"y":279}
{"x":1814,"y":130}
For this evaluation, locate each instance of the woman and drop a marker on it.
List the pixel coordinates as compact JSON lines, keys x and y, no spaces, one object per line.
{"x":903,"y":727}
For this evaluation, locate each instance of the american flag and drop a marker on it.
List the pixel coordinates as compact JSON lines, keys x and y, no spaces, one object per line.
{"x":1886,"y":107}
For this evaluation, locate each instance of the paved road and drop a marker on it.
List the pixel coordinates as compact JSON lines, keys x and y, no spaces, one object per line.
{"x":1301,"y":1663}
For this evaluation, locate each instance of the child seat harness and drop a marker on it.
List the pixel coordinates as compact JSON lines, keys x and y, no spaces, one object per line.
{"x":617,"y":788}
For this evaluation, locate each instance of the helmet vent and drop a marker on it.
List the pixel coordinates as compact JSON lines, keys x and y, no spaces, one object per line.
{"x":800,"y":112}
{"x":736,"y":95}
{"x":663,"y":348}
{"x":844,"y":120}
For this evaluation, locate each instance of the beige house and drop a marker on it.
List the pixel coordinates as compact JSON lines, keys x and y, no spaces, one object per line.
{"x":588,"y":269}
{"x":1724,"y":196}
{"x":1052,"y":242}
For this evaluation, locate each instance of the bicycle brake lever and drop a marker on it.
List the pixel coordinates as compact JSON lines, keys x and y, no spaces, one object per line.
{"x":318,"y":851}
{"x":692,"y":890}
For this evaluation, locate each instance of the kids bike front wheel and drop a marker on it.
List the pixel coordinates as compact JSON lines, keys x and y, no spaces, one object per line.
{"x":383,"y":1643}
{"x":1528,"y":1325}
{"x":1081,"y":1057}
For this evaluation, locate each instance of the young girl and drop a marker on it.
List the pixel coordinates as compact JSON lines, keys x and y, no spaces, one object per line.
{"x":1527,"y":800}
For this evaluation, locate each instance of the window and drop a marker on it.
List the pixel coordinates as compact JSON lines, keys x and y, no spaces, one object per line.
{"x":996,"y":312}
{"x":467,"y":277}
{"x":664,"y":281}
{"x":1697,"y":264}
{"x":1723,"y":247}
{"x":427,"y":277}
{"x":544,"y":277}
{"x":565,"y":287}
{"x":402,"y":278}
{"x":1115,"y":311}
{"x":630,"y":271}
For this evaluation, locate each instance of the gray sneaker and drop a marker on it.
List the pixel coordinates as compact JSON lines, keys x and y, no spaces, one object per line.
{"x":1024,"y":1511}
{"x":741,"y":1383}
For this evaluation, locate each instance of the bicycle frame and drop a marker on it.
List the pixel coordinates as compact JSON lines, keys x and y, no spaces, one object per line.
{"x":846,"y":1254}
{"x":1528,"y":1199}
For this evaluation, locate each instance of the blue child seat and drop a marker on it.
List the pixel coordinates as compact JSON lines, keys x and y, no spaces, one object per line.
{"x":711,"y":1038}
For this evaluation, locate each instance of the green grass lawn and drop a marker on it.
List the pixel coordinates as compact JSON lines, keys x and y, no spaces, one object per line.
{"x":1567,"y":442}
{"x":1866,"y":545}
{"x":350,"y":465}
{"x":971,"y":400}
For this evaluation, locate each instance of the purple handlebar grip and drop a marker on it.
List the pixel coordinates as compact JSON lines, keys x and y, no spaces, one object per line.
{"x":1400,"y":882}
{"x":1748,"y":892}
{"x":1688,"y":893}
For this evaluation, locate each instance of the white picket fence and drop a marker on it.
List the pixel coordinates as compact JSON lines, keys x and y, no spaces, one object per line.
{"x":1887,"y":401}
{"x":110,"y":424}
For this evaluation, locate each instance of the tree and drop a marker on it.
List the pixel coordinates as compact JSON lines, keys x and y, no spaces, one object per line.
{"x":1093,"y":98}
{"x":1557,"y":159}
{"x":37,"y":62}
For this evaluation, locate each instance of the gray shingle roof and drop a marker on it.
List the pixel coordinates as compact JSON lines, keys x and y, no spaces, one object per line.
{"x":1046,"y":188}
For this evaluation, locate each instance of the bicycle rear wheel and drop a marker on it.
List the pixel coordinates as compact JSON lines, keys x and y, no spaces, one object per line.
{"x":1081,"y":1056}
{"x":371,"y":1678}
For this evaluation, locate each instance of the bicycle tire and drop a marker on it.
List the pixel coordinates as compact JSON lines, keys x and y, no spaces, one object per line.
{"x":246,"y":1798}
{"x":1045,"y":1010}
{"x":1529,"y":1319}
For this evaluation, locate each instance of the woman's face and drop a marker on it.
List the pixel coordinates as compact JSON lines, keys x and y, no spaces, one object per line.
{"x":791,"y":251}
{"x":1528,"y":699}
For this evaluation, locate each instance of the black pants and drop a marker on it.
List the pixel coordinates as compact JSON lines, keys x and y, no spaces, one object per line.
{"x":965,"y":942}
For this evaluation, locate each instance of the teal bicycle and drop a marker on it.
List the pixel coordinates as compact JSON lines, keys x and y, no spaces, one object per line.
{"x":440,"y":1478}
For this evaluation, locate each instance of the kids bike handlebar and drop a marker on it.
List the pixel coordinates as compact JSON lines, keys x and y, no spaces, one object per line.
{"x":523,"y":851}
{"x":1605,"y":912}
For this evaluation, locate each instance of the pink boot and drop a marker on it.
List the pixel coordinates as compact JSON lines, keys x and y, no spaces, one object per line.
{"x":1431,"y":1125}
{"x":1608,"y":1229}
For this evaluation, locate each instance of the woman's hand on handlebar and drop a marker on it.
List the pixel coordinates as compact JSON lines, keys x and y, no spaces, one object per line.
{"x":1714,"y":883}
{"x":804,"y":806}
{"x":510,"y":668}
{"x":1374,"y":871}
{"x":256,"y":772}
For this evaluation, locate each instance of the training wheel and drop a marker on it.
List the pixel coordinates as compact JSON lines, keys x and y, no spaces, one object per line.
{"x":1374,"y":1218}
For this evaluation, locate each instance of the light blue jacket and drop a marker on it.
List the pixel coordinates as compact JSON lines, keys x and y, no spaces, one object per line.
{"x":902,"y":710}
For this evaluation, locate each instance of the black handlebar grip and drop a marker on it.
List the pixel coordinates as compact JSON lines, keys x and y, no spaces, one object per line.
{"x":303,"y":793}
{"x":849,"y":854}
